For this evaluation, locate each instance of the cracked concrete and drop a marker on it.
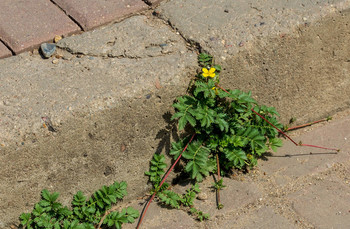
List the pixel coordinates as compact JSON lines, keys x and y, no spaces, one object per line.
{"x":109,"y":92}
{"x":148,"y":38}
{"x":97,"y":79}
{"x":109,"y":104}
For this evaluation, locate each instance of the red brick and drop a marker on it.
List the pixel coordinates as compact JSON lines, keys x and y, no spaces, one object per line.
{"x":4,"y":51}
{"x":26,"y":24}
{"x":92,"y":13}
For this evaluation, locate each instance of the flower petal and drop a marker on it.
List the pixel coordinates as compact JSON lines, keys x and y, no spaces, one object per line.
{"x":205,"y":70}
{"x":212,"y":70}
{"x":212,"y":75}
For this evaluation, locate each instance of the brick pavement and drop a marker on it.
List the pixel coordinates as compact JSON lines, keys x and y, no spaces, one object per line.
{"x":4,"y":51}
{"x":24,"y":25}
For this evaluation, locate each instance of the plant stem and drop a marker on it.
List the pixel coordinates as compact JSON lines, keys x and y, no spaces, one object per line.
{"x":161,"y":183}
{"x":307,"y":124}
{"x":281,"y":130}
{"x":284,"y":134}
{"x":218,"y":190}
{"x":104,"y":216}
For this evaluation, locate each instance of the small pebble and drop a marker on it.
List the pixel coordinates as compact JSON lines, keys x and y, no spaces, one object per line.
{"x":202,"y":196}
{"x":48,"y":49}
{"x":55,"y":61}
{"x":57,"y":38}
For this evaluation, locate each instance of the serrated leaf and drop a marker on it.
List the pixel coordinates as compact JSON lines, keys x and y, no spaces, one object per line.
{"x":46,"y":195}
{"x":275,"y":143}
{"x":182,"y":122}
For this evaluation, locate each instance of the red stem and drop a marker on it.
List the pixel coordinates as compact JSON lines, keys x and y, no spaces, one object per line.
{"x":162,"y":182}
{"x":307,"y":124}
{"x":282,"y":131}
{"x":219,"y":178}
{"x":275,"y":127}
{"x":319,"y":147}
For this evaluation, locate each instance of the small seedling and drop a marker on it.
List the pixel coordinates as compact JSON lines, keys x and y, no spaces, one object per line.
{"x":199,"y":214}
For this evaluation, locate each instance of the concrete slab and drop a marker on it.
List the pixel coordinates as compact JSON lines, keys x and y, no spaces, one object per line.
{"x":153,"y":2}
{"x":223,"y":27}
{"x":90,"y":14}
{"x":263,"y":217}
{"x":107,"y":112}
{"x":4,"y":51}
{"x":291,"y":162}
{"x":143,"y":41}
{"x":324,"y":203}
{"x":26,"y":24}
{"x":281,"y":50}
{"x":235,"y":196}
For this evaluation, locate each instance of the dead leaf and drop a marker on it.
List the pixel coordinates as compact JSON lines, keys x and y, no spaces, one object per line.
{"x":157,"y":83}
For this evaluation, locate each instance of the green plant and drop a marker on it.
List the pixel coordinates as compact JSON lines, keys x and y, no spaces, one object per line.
{"x":166,"y":196}
{"x":224,"y":124}
{"x":228,"y":129}
{"x":227,"y":132}
{"x":156,"y":172}
{"x":199,"y":214}
{"x":85,"y":213}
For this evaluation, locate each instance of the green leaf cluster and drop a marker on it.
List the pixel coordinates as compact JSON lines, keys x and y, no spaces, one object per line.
{"x":157,"y":167}
{"x":219,"y":184}
{"x":85,"y":213}
{"x":199,"y":214}
{"x":175,"y":200}
{"x":224,"y":124}
{"x":127,"y":215}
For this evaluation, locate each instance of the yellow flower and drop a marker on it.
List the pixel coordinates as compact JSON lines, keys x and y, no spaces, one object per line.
{"x":210,"y":72}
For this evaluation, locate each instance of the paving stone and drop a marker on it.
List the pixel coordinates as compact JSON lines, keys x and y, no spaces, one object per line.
{"x":292,"y":161}
{"x":27,"y":24}
{"x":91,"y":13}
{"x":325,"y":203}
{"x":234,"y":196}
{"x":263,"y":217}
{"x":4,"y":51}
